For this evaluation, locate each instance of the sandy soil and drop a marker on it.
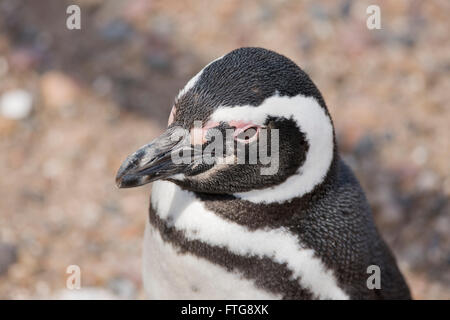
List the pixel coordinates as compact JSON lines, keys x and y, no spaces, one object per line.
{"x":101,"y":92}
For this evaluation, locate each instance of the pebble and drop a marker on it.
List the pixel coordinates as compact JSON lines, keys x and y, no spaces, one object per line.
{"x":4,"y":66}
{"x":24,"y":59}
{"x":8,"y":256}
{"x":158,"y":62}
{"x":116,"y":30}
{"x":345,"y":8}
{"x":123,"y":288}
{"x":16,"y":104}
{"x":420,"y":155}
{"x":58,"y":90}
{"x":102,"y":85}
{"x":7,"y":126}
{"x":365,"y":146}
{"x":427,"y":180}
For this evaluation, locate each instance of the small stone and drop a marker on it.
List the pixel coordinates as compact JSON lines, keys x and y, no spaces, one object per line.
{"x":123,"y":288}
{"x":427,"y":180}
{"x":16,"y":104}
{"x":58,"y":90}
{"x":103,"y":85}
{"x":318,"y":12}
{"x":4,"y":66}
{"x":446,"y":187}
{"x":419,"y":155}
{"x":8,"y":256}
{"x":345,"y":8}
{"x":24,"y":59}
{"x":116,"y":30}
{"x":158,"y":62}
{"x":7,"y":126}
{"x":365,"y":146}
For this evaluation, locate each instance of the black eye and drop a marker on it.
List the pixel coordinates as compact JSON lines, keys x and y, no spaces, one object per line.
{"x":248,"y":135}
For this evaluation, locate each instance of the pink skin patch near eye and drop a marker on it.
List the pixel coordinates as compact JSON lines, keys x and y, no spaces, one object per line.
{"x":172,"y":116}
{"x":198,"y":135}
{"x":241,"y":127}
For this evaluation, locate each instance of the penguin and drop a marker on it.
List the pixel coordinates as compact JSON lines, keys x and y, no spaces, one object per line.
{"x":226,"y":230}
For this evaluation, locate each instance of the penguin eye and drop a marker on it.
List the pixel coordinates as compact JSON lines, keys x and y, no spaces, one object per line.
{"x":247,"y":134}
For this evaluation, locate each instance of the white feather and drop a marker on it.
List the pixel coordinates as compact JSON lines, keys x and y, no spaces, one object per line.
{"x":186,"y":213}
{"x":169,"y":274}
{"x":312,"y":121}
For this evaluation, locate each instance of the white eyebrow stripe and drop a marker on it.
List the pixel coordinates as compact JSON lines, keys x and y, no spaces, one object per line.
{"x":313,"y":121}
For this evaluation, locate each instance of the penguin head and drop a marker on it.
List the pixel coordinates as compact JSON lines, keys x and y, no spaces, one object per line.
{"x":251,"y":124}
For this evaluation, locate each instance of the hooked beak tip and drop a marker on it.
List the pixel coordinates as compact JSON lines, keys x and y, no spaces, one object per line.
{"x":121,"y":173}
{"x":126,"y":176}
{"x":129,"y":181}
{"x":119,"y":182}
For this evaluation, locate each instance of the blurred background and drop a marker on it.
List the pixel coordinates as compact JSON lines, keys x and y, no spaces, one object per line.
{"x":75,"y":103}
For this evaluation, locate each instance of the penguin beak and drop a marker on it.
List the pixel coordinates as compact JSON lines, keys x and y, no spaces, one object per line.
{"x":154,"y":161}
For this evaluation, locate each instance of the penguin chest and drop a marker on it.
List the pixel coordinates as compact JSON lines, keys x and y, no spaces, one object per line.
{"x":208,"y":265}
{"x":171,"y":274}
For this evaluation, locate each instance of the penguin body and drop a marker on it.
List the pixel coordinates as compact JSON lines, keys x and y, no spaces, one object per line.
{"x":225,"y":230}
{"x":171,"y":270}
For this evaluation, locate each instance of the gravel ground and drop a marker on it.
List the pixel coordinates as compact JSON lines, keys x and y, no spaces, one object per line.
{"x":75,"y":103}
